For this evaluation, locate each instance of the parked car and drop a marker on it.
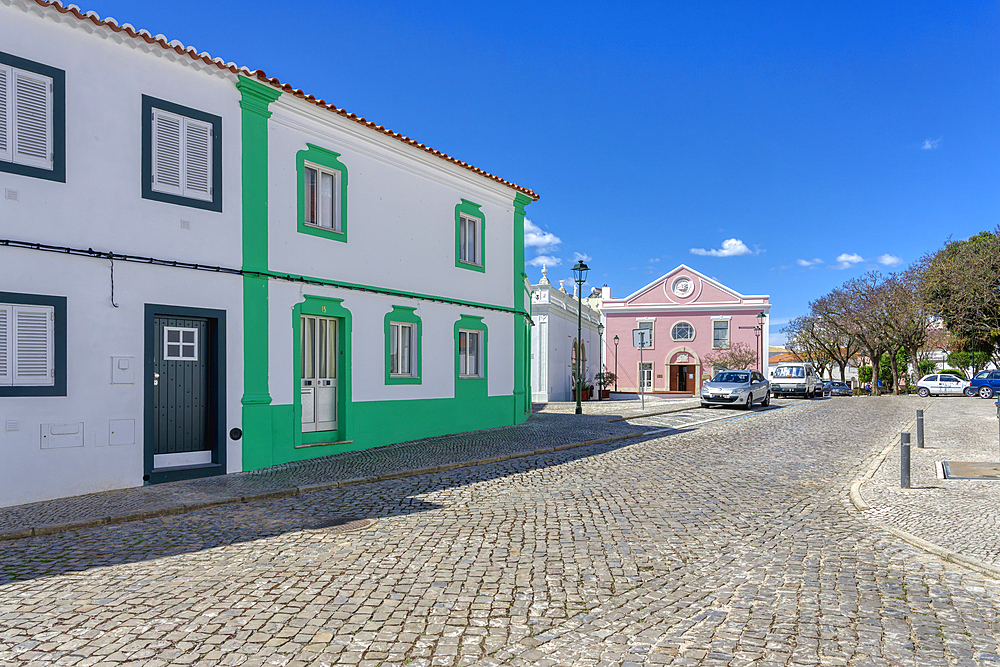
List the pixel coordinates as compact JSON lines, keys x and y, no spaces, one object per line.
{"x":795,"y":378}
{"x":740,"y":388}
{"x":837,"y":389}
{"x":941,"y":385}
{"x":986,"y":384}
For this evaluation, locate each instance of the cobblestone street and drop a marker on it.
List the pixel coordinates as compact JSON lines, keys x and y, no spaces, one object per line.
{"x":725,"y":538}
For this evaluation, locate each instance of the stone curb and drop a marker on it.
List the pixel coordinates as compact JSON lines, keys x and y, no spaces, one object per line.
{"x":920,"y":543}
{"x":50,"y":529}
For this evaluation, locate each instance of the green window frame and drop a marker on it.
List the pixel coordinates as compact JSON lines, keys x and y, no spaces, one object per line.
{"x":399,"y":317}
{"x":468,"y":325}
{"x":321,"y":160}
{"x":54,"y":121}
{"x":467,"y":213}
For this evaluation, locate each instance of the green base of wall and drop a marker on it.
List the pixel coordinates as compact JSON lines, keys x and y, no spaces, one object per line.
{"x":375,"y":424}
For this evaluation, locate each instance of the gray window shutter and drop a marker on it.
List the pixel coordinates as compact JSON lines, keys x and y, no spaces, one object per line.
{"x":6,"y":376}
{"x":33,"y":353}
{"x":167,"y":151}
{"x":5,"y":107}
{"x":197,"y":159}
{"x":32,"y":119}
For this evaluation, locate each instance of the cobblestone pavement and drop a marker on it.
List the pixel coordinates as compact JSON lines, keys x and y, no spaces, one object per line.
{"x":728,"y":543}
{"x":959,"y":514}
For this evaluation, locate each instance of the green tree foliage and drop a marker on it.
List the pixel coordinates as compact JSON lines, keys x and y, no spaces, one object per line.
{"x":961,"y":286}
{"x":865,"y":374}
{"x":927,"y":367}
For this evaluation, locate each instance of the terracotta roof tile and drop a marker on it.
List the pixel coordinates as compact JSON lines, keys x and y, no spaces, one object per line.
{"x":180,"y":49}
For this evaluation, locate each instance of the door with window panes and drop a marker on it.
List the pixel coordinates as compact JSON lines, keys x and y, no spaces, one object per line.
{"x":646,"y":375}
{"x":319,"y":356}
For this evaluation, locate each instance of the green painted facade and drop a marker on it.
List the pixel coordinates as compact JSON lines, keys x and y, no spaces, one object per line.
{"x":273,"y":432}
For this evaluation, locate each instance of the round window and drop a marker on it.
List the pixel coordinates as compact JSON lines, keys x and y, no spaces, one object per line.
{"x":683,"y":331}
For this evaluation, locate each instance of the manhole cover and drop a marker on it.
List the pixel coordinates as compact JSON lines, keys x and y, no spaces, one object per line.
{"x":338,"y":524}
{"x":971,"y":469}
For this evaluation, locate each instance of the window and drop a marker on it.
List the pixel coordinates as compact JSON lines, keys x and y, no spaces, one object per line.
{"x":322,"y":198}
{"x":318,"y":356}
{"x":720,"y":333}
{"x":321,"y":193}
{"x":180,"y":344}
{"x":682,"y":331}
{"x":648,"y":327}
{"x":32,"y":119}
{"x":646,"y":376}
{"x":468,"y":244}
{"x":470,"y":230}
{"x":32,"y":345}
{"x":469,"y":351}
{"x":400,"y":346}
{"x":182,"y":155}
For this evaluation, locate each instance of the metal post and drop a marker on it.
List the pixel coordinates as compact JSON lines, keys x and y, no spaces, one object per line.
{"x":904,"y":460}
{"x":642,"y":382}
{"x":998,"y":410}
{"x":579,"y":346}
{"x":920,"y":429}
{"x":616,"y":364}
{"x":600,"y":342}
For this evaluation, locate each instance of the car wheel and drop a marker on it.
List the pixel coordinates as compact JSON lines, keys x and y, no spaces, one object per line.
{"x":923,"y":392}
{"x":749,"y":403}
{"x":767,"y":400}
{"x":970,"y":392}
{"x":985,"y":392}
{"x":705,"y":405}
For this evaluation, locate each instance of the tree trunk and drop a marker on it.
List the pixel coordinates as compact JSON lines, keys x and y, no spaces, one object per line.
{"x":842,"y":375}
{"x":895,"y":371}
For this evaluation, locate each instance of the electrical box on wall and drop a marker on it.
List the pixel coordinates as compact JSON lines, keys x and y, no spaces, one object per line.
{"x":121,"y":432}
{"x":122,"y":370}
{"x":55,"y":436}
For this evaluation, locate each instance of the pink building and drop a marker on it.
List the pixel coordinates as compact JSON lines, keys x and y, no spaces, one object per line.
{"x":688,"y":316}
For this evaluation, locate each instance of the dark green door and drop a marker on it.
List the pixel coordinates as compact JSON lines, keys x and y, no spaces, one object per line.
{"x":183,"y":424}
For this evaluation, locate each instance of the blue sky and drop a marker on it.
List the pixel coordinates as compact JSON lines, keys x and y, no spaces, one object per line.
{"x":780,"y":147}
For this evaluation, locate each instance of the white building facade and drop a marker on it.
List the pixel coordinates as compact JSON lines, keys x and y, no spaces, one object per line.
{"x":204,"y":271}
{"x":555,"y":344}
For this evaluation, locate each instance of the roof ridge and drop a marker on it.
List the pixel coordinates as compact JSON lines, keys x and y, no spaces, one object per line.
{"x":204,"y":56}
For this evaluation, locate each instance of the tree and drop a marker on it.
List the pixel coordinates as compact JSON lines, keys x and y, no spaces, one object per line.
{"x":820,"y":337}
{"x":737,"y":356}
{"x":961,"y":286}
{"x":859,"y":307}
{"x":968,"y":360}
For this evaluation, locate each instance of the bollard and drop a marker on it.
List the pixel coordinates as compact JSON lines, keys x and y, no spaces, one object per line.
{"x":920,"y":429}
{"x":904,"y":460}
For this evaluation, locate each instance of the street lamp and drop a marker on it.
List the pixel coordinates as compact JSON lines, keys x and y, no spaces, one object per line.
{"x":579,"y":276}
{"x":616,"y":363}
{"x":760,"y":325}
{"x":600,"y":354}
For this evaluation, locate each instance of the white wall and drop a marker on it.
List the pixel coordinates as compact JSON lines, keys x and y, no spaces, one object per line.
{"x":555,"y":316}
{"x":100,"y":206}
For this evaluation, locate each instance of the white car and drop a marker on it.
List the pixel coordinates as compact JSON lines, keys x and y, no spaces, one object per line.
{"x":942,"y":385}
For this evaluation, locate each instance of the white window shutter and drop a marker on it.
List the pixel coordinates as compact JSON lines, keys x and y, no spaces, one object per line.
{"x":32,"y":119}
{"x":5,"y":111}
{"x":33,"y":346}
{"x":6,"y":355}
{"x":167,"y":152}
{"x":197,"y":159}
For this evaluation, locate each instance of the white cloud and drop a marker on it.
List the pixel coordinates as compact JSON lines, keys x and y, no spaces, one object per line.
{"x":889,"y":260}
{"x":535,"y":237}
{"x":544,"y":260}
{"x":809,"y":262}
{"x":846,"y":261}
{"x":582,"y":256}
{"x":730,"y":248}
{"x":930,"y":144}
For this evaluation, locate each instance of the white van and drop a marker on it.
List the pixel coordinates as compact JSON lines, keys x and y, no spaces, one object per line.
{"x":795,"y":378}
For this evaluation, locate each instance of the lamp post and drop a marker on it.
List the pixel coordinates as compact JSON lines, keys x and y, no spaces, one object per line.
{"x":600,"y":342}
{"x":616,"y":363}
{"x":579,"y":276}
{"x":760,"y":325}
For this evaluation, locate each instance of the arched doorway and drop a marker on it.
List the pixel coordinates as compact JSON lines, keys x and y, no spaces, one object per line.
{"x":683,"y":370}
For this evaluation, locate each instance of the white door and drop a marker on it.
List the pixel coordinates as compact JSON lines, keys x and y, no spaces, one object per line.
{"x":646,"y":375}
{"x":319,"y":350}
{"x":949,"y":384}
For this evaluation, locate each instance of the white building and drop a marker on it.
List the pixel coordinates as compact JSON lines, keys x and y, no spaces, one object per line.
{"x":554,"y":342}
{"x":203,"y":270}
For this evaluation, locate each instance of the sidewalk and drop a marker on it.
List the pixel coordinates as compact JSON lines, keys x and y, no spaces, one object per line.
{"x":553,"y":427}
{"x":956,"y":519}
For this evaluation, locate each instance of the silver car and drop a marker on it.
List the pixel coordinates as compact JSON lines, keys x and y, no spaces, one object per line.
{"x":741,"y":388}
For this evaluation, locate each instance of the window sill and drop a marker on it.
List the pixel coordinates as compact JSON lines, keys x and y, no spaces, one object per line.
{"x":402,"y":379}
{"x":462,"y":264}
{"x":323,"y":232}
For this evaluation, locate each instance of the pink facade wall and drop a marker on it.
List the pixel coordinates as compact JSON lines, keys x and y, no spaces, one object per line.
{"x":705,"y":301}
